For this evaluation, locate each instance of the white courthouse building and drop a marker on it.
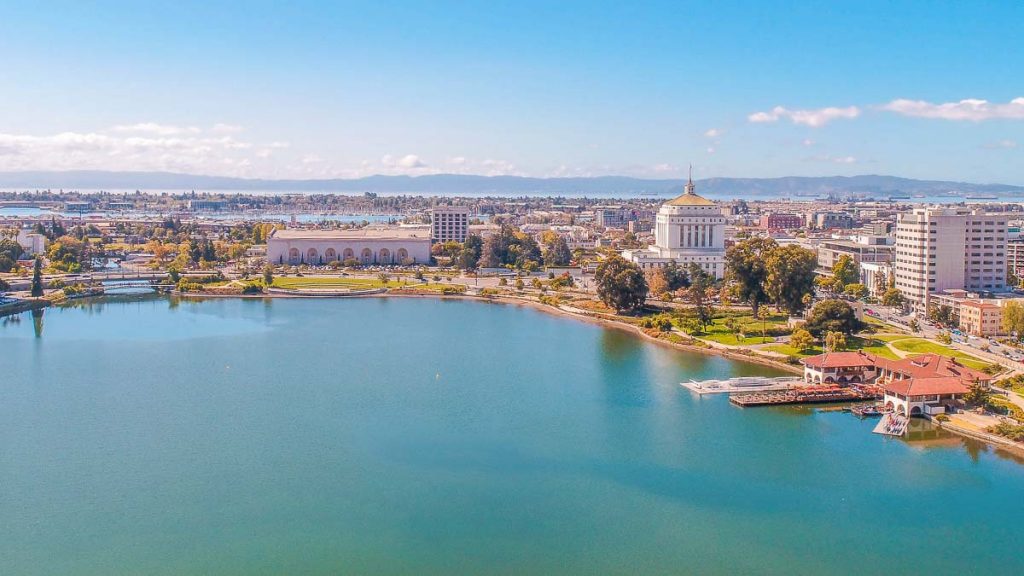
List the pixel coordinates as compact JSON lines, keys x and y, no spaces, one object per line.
{"x":687,"y":229}
{"x":367,"y":245}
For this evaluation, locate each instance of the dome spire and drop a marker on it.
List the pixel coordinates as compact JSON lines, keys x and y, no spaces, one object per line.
{"x":689,"y":182}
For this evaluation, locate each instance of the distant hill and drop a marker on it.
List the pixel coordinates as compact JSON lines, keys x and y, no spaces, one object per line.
{"x":457,"y":184}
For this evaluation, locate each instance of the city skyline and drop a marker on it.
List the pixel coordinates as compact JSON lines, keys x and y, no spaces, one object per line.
{"x":318,"y":91}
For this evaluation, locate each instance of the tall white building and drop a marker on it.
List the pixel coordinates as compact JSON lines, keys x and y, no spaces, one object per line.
{"x":687,"y":229}
{"x":949,"y":248}
{"x":449,"y":223}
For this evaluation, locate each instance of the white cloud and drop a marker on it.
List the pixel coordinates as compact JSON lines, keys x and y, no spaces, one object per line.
{"x":144,"y":146}
{"x":813,"y":118}
{"x":971,"y":110}
{"x":713,"y":133}
{"x":457,"y":161}
{"x":409,"y":162}
{"x":494,"y":167}
{"x":222,"y":128}
{"x":1000,"y":145}
{"x":808,"y":142}
{"x":156,"y":129}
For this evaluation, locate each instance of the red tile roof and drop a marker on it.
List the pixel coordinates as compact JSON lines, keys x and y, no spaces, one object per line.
{"x":935,"y":366}
{"x":926,"y":386}
{"x":840,"y":360}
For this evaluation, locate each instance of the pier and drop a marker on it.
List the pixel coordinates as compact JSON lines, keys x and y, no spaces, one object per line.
{"x":804,"y":395}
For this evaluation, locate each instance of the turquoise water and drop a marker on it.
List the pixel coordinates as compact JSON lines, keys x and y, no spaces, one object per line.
{"x":415,"y":436}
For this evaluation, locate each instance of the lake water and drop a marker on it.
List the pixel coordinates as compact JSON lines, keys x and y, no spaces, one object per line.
{"x":417,"y":436}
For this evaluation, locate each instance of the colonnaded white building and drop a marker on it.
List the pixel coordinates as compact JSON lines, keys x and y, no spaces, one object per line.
{"x":687,"y":229}
{"x":367,"y":245}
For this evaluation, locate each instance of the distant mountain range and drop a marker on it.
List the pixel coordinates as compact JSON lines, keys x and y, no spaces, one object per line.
{"x":458,"y":184}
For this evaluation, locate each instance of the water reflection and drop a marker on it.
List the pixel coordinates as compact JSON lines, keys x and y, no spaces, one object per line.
{"x":37,"y":322}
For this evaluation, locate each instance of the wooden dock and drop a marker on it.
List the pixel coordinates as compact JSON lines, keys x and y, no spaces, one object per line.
{"x":807,"y":395}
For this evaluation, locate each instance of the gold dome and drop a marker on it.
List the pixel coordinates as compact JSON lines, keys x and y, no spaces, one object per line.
{"x":690,"y":199}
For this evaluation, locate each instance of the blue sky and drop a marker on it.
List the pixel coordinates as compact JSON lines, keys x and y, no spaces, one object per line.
{"x":325,"y":89}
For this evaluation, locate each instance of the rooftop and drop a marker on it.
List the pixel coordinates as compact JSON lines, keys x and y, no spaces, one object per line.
{"x":354,"y":234}
{"x":841,"y":360}
{"x":926,"y":386}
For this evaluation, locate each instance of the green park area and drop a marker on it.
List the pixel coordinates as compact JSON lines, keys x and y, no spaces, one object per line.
{"x":740,"y":328}
{"x":344,"y":283}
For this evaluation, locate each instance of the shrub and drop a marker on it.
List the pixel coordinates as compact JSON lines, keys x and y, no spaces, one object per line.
{"x":253,"y":288}
{"x":660,"y":322}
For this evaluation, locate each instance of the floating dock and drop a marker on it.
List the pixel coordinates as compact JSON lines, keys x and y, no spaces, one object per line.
{"x":892,"y":425}
{"x":743,"y":384}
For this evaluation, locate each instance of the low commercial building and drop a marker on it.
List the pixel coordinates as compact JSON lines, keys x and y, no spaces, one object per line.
{"x":365,"y":245}
{"x":779,"y":221}
{"x":31,"y":242}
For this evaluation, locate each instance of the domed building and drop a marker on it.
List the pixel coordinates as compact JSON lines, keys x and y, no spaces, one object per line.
{"x":688,"y":229}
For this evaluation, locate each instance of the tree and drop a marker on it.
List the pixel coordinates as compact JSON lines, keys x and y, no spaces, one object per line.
{"x":10,"y":251}
{"x":878,"y":282}
{"x":556,"y":251}
{"x":696,"y":295}
{"x":835,"y":341}
{"x":913,"y":325}
{"x":944,"y":314}
{"x":733,"y":326}
{"x":68,"y":254}
{"x":892,"y":297}
{"x":944,"y":338}
{"x":1013,"y":319}
{"x":844,"y":271}
{"x":801,"y":339}
{"x":833,"y":316}
{"x":520,"y":284}
{"x":620,"y":284}
{"x":37,"y":278}
{"x":4,"y":286}
{"x":268,"y":275}
{"x":472,"y":248}
{"x":656,"y":283}
{"x":790,"y":277}
{"x":978,"y":394}
{"x":745,"y":263}
{"x":675,"y":275}
{"x":856,"y":290}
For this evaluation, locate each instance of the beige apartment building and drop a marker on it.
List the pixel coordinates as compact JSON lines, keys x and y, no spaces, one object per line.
{"x":981,"y":318}
{"x":947,"y":248}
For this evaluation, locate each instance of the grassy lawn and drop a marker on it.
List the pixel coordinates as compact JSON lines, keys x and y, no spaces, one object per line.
{"x":873,"y":345}
{"x":922,"y":346}
{"x":790,"y":351}
{"x":889,"y":337}
{"x":300,"y":282}
{"x":723,"y":337}
{"x":869,"y":345}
